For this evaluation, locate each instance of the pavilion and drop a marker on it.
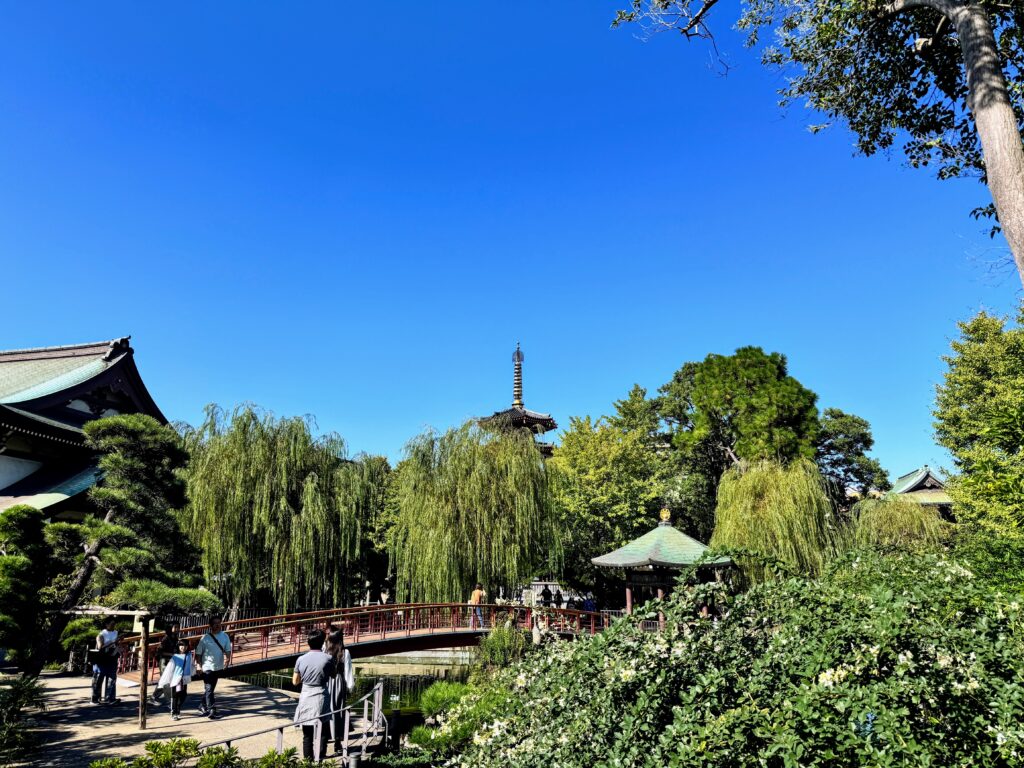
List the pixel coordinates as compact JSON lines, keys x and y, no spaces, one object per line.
{"x":46,"y":396}
{"x":653,"y":560}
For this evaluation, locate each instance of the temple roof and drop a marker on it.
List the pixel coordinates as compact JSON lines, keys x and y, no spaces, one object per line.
{"x":922,"y":485}
{"x":50,"y":486}
{"x":663,"y":547}
{"x":48,"y":391}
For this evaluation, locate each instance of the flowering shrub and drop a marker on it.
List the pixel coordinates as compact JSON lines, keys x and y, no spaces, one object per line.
{"x":886,"y":660}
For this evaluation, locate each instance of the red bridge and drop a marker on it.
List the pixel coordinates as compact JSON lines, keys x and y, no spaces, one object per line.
{"x":274,"y":642}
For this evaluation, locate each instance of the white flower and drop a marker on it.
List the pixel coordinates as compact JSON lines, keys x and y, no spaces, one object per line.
{"x":626,"y":675}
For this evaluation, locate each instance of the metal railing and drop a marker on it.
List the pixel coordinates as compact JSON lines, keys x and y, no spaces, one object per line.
{"x":373,"y":722}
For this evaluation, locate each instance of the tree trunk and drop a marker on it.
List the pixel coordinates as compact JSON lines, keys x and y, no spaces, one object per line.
{"x":71,"y":598}
{"x":989,"y":102}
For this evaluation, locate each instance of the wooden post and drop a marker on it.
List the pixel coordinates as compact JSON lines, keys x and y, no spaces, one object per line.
{"x":144,"y":676}
{"x":661,"y":616}
{"x":629,"y":595}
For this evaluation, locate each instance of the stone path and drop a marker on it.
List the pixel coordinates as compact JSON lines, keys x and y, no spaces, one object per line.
{"x":75,"y":732}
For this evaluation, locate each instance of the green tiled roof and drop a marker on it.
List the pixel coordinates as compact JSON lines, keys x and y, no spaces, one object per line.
{"x":28,"y":374}
{"x":45,"y":488}
{"x":929,"y":496}
{"x":664,"y":547}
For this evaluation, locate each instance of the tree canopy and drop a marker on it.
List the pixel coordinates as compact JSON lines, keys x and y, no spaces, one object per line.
{"x":979,"y":416}
{"x":23,"y":573}
{"x":473,"y":505}
{"x":609,"y":485}
{"x":275,"y":508}
{"x":944,"y":77}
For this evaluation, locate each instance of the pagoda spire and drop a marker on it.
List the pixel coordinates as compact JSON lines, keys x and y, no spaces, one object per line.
{"x":517,"y":378}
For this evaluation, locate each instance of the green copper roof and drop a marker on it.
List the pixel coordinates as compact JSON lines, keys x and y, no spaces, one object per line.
{"x":663,"y":547}
{"x":30,"y":373}
{"x":910,"y":480}
{"x":45,"y":488}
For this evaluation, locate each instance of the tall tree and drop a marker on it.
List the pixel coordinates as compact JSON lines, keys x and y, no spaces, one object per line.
{"x":136,"y":549}
{"x":609,"y":486}
{"x":473,"y":505}
{"x":841,"y":453}
{"x":275,"y":508}
{"x":946,"y":76}
{"x":980,"y":419}
{"x":23,"y":572}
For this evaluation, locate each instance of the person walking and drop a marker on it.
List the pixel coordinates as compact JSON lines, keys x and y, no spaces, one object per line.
{"x":176,"y":676}
{"x":212,"y":653}
{"x":340,"y":684}
{"x":104,"y":667}
{"x":475,"y":600}
{"x":313,"y":670}
{"x":164,"y":653}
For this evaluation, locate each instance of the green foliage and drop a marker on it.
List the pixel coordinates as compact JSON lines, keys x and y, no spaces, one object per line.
{"x":896,"y":522}
{"x":745,"y":404}
{"x":274,"y":507}
{"x":177,"y":753}
{"x":18,"y":695}
{"x":463,"y":721}
{"x":781,"y":512}
{"x":441,"y":696}
{"x":23,"y":560}
{"x":841,"y":453}
{"x":980,"y":420}
{"x":474,"y":505}
{"x":995,"y":559}
{"x":161,"y":598}
{"x":900,"y":660}
{"x":501,"y":646}
{"x":608,"y":489}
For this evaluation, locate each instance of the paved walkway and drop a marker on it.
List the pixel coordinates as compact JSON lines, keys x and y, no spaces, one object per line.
{"x":76,"y":732}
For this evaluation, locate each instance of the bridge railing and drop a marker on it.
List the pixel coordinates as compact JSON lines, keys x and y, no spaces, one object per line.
{"x":264,"y":638}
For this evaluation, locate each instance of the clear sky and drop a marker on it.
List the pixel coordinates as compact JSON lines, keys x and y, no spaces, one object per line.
{"x":355,"y":211}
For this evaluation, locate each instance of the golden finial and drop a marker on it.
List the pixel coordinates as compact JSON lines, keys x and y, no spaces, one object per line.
{"x":666,"y":515}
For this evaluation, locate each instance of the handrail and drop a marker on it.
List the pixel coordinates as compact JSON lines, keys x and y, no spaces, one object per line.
{"x":376,"y":693}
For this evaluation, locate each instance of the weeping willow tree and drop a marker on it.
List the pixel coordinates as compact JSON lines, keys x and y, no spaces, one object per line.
{"x":473,"y":505}
{"x":781,"y":512}
{"x":275,"y":508}
{"x":896,"y":521}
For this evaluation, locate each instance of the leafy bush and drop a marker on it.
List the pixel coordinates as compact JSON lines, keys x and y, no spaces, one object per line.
{"x":18,"y":694}
{"x":501,"y":646}
{"x":886,"y":660}
{"x":440,"y":697}
{"x":458,"y":727}
{"x":176,"y":753}
{"x":896,"y":521}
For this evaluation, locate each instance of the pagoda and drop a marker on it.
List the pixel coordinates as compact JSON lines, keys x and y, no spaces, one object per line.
{"x":519,"y":417}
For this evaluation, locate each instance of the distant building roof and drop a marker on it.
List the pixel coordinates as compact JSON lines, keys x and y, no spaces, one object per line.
{"x":663,"y":547}
{"x":519,"y":417}
{"x":922,"y":485}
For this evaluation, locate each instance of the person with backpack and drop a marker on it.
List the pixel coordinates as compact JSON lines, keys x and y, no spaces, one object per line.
{"x":212,"y":654}
{"x":176,"y":676}
{"x":104,"y":666}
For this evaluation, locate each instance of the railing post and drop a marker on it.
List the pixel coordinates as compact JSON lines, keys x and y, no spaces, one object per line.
{"x":280,"y":739}
{"x":346,"y":732}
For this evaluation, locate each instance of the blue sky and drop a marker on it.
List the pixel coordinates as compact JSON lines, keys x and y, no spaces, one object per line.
{"x":356,"y":212}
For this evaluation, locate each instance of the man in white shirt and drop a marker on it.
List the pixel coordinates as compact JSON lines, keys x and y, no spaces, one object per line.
{"x":212,"y":654}
{"x":104,"y":669}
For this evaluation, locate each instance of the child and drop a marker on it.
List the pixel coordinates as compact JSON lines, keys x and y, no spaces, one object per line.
{"x":176,"y":677}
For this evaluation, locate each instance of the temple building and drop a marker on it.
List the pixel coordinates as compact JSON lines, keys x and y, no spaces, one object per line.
{"x":519,"y":417}
{"x":46,"y":396}
{"x":924,"y":486}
